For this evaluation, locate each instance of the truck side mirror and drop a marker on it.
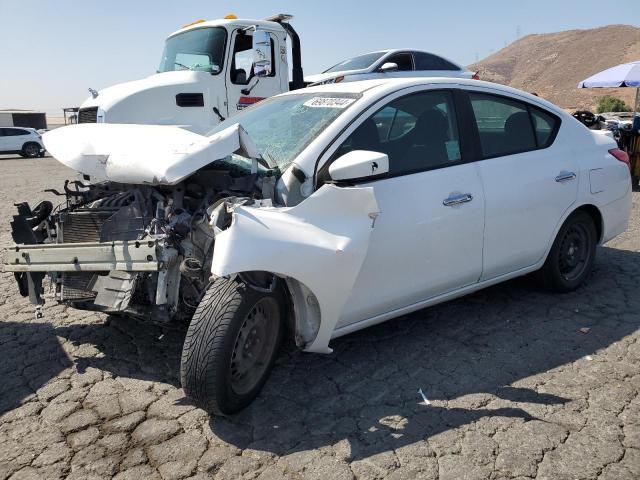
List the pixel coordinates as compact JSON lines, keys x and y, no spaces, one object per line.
{"x":359,"y":165}
{"x":262,"y":61}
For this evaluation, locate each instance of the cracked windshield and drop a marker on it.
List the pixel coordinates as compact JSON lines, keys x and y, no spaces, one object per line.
{"x":282,"y":127}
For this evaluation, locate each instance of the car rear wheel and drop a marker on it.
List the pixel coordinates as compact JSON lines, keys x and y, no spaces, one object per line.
{"x":572,"y":254}
{"x":231,"y":345}
{"x":30,"y":150}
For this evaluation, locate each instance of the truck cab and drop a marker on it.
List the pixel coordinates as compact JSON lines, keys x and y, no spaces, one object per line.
{"x":209,"y":70}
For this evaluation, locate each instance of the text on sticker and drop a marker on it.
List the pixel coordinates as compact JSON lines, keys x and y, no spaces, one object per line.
{"x":329,"y":102}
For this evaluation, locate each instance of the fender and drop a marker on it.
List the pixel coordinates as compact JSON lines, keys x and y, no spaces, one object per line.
{"x":325,"y":256}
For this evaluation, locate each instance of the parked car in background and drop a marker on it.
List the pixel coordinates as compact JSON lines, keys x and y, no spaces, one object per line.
{"x":25,"y":142}
{"x":317,"y":213}
{"x":391,"y":64}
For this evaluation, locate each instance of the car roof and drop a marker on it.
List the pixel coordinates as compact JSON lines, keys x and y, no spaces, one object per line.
{"x":389,"y":85}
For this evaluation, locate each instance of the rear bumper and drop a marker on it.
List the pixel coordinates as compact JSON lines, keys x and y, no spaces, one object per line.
{"x":128,"y":256}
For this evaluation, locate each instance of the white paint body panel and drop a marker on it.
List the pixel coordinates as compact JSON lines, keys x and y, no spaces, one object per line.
{"x":321,"y":243}
{"x":419,"y":248}
{"x":359,"y":164}
{"x":150,"y":154}
{"x":419,"y":252}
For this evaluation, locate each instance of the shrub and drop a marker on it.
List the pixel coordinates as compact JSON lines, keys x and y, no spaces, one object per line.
{"x":609,"y":103}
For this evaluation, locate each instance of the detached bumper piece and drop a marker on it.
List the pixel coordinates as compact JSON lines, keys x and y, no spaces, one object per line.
{"x":129,"y":256}
{"x":101,"y":272}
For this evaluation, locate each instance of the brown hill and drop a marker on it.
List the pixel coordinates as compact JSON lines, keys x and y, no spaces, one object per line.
{"x":552,"y":64}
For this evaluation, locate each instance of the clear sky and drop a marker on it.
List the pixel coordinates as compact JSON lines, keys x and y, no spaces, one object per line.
{"x":51,"y":51}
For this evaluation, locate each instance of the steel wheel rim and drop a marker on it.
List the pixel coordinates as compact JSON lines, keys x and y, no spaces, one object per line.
{"x":254,"y":345}
{"x":574,"y":252}
{"x":31,"y":150}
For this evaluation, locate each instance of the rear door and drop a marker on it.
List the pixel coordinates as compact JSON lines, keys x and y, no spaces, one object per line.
{"x":529,"y":178}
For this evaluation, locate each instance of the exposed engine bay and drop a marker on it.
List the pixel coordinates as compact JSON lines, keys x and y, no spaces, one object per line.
{"x":166,"y":231}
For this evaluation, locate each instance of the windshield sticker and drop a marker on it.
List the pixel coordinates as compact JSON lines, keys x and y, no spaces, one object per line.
{"x":329,"y":102}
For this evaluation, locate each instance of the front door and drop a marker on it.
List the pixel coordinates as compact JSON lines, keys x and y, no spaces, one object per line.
{"x":427,"y":239}
{"x":243,"y":87}
{"x":530,"y":180}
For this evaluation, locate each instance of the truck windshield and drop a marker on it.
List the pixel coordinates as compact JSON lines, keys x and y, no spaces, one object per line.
{"x":201,"y":49}
{"x":281,"y":127}
{"x":357,"y":63}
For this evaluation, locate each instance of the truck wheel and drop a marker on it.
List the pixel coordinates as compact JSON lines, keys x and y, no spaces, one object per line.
{"x":30,"y":150}
{"x":231,"y":345}
{"x":572,"y":254}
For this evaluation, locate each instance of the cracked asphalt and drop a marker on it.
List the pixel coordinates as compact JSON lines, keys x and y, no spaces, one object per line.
{"x":522,"y":384}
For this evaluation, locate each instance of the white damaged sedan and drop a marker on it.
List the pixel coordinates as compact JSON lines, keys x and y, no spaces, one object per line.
{"x":317,"y":213}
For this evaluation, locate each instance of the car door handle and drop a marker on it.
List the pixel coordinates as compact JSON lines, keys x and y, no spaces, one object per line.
{"x":457,"y":199}
{"x":565,"y":176}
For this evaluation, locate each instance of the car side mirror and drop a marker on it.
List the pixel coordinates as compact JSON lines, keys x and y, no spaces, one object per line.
{"x":262,"y":61}
{"x":388,"y":67}
{"x":359,"y":165}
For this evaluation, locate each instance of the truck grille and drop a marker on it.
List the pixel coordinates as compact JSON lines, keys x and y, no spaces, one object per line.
{"x":88,"y":115}
{"x":77,"y":227}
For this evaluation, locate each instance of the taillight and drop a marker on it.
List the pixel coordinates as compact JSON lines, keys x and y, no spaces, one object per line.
{"x":621,"y":155}
{"x":476,"y":76}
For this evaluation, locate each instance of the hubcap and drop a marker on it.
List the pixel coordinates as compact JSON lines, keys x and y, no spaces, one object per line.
{"x":32,"y":150}
{"x":574,"y":252}
{"x":254,"y":345}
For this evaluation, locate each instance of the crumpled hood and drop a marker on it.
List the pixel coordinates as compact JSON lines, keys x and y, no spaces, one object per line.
{"x":143,"y":154}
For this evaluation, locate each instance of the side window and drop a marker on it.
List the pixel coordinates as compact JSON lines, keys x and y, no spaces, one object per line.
{"x":2,"y":132}
{"x":12,"y":132}
{"x":418,"y":132}
{"x":504,"y":125}
{"x":242,"y":59}
{"x":403,"y":60}
{"x":545,"y":125}
{"x":428,"y":61}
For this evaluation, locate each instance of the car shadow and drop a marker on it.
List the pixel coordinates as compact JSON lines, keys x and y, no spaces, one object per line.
{"x":476,"y":359}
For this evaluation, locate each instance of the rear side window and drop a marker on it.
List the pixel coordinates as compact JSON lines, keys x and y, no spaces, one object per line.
{"x":545,"y":125}
{"x":14,"y":132}
{"x":506,"y":126}
{"x":428,"y":61}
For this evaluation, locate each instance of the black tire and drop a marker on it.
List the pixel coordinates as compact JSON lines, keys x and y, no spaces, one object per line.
{"x":214,"y":347}
{"x":572,"y":255}
{"x":30,"y":150}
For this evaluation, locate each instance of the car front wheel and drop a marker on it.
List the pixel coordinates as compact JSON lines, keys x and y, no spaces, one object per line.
{"x":572,"y":254}
{"x":231,"y":345}
{"x":31,"y":150}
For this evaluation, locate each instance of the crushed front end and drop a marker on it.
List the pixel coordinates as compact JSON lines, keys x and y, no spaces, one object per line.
{"x":141,"y":250}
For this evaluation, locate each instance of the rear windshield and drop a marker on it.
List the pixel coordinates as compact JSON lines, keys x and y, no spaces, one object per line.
{"x":357,"y":63}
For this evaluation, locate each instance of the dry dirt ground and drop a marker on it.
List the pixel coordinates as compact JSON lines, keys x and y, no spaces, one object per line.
{"x":516,"y":389}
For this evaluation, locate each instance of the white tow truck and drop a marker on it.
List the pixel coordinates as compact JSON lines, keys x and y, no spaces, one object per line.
{"x":209,"y":71}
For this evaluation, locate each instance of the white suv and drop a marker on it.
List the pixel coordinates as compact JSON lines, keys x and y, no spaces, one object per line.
{"x":22,"y":141}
